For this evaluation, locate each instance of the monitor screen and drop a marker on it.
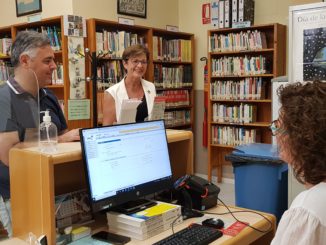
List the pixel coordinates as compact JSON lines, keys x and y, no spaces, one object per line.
{"x":125,"y":162}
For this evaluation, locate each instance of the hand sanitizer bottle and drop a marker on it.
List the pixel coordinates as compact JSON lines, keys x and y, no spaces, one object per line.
{"x":48,"y":134}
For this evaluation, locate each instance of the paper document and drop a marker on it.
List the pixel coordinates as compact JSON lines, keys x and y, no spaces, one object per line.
{"x":158,"y":108}
{"x":128,"y":111}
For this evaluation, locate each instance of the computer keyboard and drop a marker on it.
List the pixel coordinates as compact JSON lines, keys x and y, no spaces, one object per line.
{"x":194,"y":234}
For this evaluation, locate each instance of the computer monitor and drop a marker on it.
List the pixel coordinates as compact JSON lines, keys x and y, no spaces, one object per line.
{"x":125,"y":162}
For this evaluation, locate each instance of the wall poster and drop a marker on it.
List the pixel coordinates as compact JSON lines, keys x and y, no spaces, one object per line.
{"x":307,"y":44}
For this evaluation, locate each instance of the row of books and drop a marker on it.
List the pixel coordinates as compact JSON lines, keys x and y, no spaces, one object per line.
{"x":178,"y":50}
{"x":5,"y":45}
{"x":243,"y":113}
{"x":228,"y":12}
{"x":233,"y":136}
{"x":53,"y":33}
{"x":241,"y":41}
{"x":250,"y":88}
{"x":57,"y":75}
{"x":147,"y":223}
{"x":238,"y":66}
{"x":176,"y":118}
{"x":172,"y":77}
{"x":114,"y":43}
{"x":110,"y":73}
{"x":5,"y":71}
{"x":175,"y":97}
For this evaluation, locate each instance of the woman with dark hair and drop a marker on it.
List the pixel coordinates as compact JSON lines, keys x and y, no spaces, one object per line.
{"x":300,"y":131}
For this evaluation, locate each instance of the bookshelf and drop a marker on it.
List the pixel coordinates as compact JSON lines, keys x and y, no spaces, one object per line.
{"x":61,"y":85}
{"x":172,"y":74}
{"x":5,"y":43}
{"x":241,"y":64}
{"x":110,"y":69}
{"x":104,"y":35}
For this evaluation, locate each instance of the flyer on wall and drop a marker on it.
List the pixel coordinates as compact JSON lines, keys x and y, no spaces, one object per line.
{"x":308,"y":42}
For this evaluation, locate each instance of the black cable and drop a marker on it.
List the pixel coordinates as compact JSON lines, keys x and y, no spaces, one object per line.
{"x":174,"y":222}
{"x":243,"y":211}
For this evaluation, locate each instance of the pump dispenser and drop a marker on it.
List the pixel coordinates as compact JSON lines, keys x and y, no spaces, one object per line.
{"x":48,"y":134}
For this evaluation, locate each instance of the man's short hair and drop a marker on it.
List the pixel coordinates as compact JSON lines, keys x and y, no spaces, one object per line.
{"x":27,"y":42}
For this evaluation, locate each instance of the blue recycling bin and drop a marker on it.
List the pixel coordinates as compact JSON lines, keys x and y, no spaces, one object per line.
{"x":261,"y":178}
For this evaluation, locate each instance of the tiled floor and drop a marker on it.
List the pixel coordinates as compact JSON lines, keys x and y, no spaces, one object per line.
{"x":227,"y":194}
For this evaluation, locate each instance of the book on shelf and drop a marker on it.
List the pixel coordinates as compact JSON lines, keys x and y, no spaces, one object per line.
{"x":240,"y":41}
{"x":234,"y":135}
{"x":172,"y":77}
{"x":177,"y":118}
{"x":113,"y":43}
{"x":176,"y":50}
{"x":215,"y":13}
{"x":221,"y":16}
{"x":158,"y":108}
{"x":5,"y":45}
{"x":243,"y":113}
{"x":146,"y":223}
{"x":5,"y":71}
{"x":246,"y":11}
{"x":234,"y":11}
{"x":227,"y":13}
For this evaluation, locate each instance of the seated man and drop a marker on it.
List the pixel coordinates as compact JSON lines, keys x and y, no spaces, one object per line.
{"x":33,"y":60}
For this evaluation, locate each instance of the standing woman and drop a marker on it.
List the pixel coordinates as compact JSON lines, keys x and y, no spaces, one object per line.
{"x":135,"y":59}
{"x":300,"y":131}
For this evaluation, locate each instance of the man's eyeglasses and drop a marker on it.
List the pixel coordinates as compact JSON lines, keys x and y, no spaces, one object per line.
{"x":276,"y":128}
{"x":136,"y":62}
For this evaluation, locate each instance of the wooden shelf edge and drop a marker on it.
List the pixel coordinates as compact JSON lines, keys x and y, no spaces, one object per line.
{"x":255,"y":124}
{"x":242,"y":101}
{"x":267,"y":50}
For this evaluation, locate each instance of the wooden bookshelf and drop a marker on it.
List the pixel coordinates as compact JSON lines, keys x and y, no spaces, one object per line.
{"x":184,"y":43}
{"x":272,"y":52}
{"x":5,"y":32}
{"x":146,"y":34}
{"x":105,"y":26}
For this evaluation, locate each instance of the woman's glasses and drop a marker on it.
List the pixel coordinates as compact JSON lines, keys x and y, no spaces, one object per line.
{"x":136,"y":62}
{"x":276,"y":128}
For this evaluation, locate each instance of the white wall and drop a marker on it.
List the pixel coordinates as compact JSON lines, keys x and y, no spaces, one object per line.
{"x":159,"y":13}
{"x":50,"y":8}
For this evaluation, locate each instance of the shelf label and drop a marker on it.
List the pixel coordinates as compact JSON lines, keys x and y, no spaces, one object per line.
{"x":126,"y":21}
{"x":172,"y":28}
{"x":241,"y":24}
{"x":34,"y":18}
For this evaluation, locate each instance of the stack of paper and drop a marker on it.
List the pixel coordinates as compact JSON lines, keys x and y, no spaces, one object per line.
{"x":146,"y":223}
{"x":128,"y":111}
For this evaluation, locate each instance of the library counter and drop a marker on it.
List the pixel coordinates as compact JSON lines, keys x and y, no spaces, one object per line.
{"x":36,"y":178}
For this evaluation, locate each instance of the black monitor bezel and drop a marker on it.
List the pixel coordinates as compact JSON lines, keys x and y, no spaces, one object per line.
{"x":138,"y":192}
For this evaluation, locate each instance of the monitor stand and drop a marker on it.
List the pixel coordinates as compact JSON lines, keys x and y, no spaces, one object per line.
{"x":134,"y":206}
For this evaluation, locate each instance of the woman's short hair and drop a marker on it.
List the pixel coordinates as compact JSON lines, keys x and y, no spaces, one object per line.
{"x":303,"y":116}
{"x":135,"y":50}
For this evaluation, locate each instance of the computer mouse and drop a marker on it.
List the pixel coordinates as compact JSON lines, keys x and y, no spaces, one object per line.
{"x":213,"y":222}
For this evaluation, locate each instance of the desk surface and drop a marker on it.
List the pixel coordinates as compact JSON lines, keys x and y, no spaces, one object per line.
{"x":246,"y":236}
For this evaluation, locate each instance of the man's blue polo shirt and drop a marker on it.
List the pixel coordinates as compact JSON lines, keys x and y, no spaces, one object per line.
{"x":19,"y":111}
